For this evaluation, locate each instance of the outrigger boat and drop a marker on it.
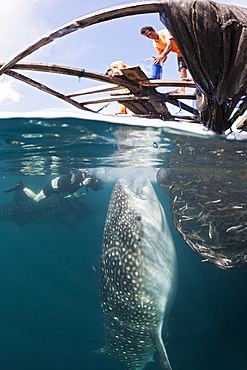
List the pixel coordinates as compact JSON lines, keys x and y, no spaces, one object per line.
{"x":140,"y":95}
{"x":212,"y":40}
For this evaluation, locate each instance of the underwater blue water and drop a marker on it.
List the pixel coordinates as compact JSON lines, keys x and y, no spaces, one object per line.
{"x":49,"y":291}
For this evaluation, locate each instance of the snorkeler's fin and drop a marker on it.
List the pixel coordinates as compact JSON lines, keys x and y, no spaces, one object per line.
{"x":19,"y":186}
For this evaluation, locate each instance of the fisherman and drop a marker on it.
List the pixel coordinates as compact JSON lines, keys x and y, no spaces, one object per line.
{"x":69,"y":183}
{"x":116,"y":70}
{"x":164,"y":44}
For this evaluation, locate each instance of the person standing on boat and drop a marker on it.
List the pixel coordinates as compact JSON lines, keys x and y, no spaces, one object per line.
{"x":70,"y":183}
{"x":116,"y":70}
{"x":164,"y":44}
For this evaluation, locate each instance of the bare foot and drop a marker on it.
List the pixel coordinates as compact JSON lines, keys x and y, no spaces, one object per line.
{"x":187,"y":79}
{"x":181,"y":90}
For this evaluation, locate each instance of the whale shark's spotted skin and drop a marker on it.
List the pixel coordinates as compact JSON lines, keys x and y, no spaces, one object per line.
{"x":137,"y":275}
{"x":54,"y":210}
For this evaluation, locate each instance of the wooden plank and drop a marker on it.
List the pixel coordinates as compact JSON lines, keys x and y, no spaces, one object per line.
{"x":183,"y":96}
{"x":93,"y":90}
{"x":136,"y":107}
{"x":146,"y":107}
{"x":120,"y":98}
{"x":159,"y":107}
{"x":168,"y":83}
{"x":134,"y":74}
{"x":175,"y":96}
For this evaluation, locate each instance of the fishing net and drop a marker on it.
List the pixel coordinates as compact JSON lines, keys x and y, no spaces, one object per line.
{"x":212,"y":39}
{"x":208,"y":201}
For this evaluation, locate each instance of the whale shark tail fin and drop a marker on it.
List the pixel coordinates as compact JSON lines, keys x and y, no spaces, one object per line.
{"x":155,"y":335}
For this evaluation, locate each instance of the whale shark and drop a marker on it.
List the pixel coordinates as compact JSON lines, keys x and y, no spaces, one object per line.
{"x":54,"y":210}
{"x":137,"y":275}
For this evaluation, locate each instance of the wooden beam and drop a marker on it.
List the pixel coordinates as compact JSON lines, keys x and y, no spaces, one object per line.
{"x":164,"y":83}
{"x":94,"y":89}
{"x":170,"y":95}
{"x":182,"y":96}
{"x":46,"y":89}
{"x":120,"y":98}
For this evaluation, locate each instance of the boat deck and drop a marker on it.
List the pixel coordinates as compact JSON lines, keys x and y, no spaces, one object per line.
{"x":140,"y":95}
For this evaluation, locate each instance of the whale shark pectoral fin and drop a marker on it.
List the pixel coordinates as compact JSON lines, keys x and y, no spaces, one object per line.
{"x":103,"y":350}
{"x":155,"y":335}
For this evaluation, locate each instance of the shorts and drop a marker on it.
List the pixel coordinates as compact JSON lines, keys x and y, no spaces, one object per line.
{"x":49,"y":190}
{"x":181,"y":63}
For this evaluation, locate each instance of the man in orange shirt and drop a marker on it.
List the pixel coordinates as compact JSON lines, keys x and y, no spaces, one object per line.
{"x":164,"y":44}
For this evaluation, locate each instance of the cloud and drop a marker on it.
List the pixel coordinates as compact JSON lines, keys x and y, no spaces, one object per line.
{"x":20,"y":25}
{"x":8,"y":94}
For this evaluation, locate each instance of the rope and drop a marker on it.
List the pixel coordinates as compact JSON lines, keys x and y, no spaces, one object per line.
{"x":179,"y":107}
{"x":104,"y":106}
{"x":81,"y":73}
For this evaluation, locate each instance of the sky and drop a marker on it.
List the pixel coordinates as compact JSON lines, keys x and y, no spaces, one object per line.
{"x":25,"y":21}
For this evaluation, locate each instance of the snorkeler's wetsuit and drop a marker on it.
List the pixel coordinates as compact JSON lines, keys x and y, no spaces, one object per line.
{"x":69,"y":183}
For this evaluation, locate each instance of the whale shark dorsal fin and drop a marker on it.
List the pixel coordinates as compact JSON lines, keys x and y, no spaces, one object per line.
{"x":155,"y":335}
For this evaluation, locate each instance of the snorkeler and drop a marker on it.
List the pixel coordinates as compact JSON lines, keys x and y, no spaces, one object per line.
{"x":69,"y":183}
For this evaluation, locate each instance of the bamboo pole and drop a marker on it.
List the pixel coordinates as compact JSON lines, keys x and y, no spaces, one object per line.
{"x":94,"y":90}
{"x":165,"y":83}
{"x":46,"y":89}
{"x":118,"y":98}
